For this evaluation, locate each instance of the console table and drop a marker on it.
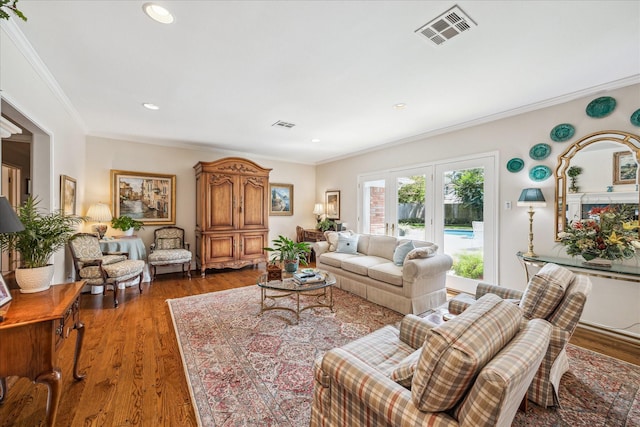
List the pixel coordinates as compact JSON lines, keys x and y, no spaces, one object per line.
{"x":628,"y":273}
{"x":34,"y":329}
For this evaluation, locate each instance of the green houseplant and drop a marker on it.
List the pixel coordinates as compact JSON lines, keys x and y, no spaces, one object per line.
{"x":126,"y":224}
{"x":289,"y":253}
{"x":573,"y":172}
{"x":43,"y":235}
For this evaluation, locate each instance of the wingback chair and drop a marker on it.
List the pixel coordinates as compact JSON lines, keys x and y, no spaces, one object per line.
{"x":169,"y":248}
{"x":100,"y":269}
{"x":473,"y":370}
{"x":555,"y":294}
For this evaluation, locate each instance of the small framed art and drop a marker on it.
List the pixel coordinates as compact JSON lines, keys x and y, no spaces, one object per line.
{"x":625,"y":168}
{"x":67,"y":195}
{"x":5,"y":293}
{"x":332,"y":204}
{"x":281,"y":199}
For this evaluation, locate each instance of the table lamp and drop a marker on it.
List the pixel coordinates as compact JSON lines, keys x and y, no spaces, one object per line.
{"x":99,"y":212}
{"x":531,"y":197}
{"x":9,"y":221}
{"x":318,"y":210}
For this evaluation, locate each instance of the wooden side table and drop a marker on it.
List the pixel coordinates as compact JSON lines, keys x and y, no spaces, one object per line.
{"x":32,"y":333}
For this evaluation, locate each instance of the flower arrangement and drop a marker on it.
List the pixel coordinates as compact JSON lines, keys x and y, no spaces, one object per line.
{"x":609,"y":233}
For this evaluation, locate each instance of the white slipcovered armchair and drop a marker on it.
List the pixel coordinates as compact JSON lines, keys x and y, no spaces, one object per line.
{"x":100,"y":269}
{"x":169,"y":248}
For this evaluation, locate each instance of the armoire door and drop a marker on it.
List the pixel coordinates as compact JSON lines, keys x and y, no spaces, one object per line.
{"x":221,"y":202}
{"x":253,"y":197}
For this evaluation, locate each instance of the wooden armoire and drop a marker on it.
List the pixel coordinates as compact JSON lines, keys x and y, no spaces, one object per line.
{"x":232,"y":213}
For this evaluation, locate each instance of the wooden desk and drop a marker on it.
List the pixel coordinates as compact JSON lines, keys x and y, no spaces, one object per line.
{"x":34,"y":329}
{"x":313,"y":235}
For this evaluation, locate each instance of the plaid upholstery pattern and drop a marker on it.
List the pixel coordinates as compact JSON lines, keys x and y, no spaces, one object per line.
{"x":461,"y":302}
{"x":457,"y":350}
{"x":545,"y":291}
{"x":413,"y":330}
{"x":403,"y":372}
{"x":350,"y":392}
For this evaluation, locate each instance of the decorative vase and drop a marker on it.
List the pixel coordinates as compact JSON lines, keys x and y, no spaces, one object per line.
{"x":598,"y":262}
{"x":291,"y":266}
{"x":128,"y":232}
{"x":33,"y":280}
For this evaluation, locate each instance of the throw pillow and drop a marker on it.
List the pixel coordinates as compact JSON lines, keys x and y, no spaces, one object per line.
{"x":332,"y":238}
{"x":347,"y":244}
{"x":402,"y":251}
{"x":545,"y":291}
{"x":403,"y":372}
{"x":423,"y":252}
{"x":454,"y":352}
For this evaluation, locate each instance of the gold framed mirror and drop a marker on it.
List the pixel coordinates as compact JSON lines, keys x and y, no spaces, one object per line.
{"x":609,"y":162}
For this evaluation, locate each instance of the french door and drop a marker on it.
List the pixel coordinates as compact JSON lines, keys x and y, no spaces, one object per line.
{"x":451,"y":203}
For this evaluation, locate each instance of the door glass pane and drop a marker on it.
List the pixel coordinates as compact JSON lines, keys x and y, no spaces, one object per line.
{"x":411,"y":207}
{"x":463,"y":221}
{"x":373,"y":205}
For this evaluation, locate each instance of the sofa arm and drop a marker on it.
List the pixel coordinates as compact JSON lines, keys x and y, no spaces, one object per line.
{"x":413,"y":330}
{"x":372,"y":396}
{"x":426,"y":267}
{"x":320,"y":247}
{"x":501,"y":291}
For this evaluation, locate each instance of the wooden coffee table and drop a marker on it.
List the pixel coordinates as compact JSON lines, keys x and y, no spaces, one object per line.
{"x":321,"y":291}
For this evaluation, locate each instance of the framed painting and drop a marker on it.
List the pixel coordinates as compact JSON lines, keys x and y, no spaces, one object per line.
{"x":67,"y":195}
{"x":146,"y":197}
{"x":332,"y":204}
{"x":625,"y":168}
{"x":5,"y":293}
{"x":281,"y":199}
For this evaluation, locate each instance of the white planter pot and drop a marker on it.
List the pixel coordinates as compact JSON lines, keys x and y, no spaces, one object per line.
{"x":33,"y":280}
{"x":129,"y":232}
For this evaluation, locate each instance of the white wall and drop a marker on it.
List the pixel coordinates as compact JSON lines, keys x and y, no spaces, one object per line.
{"x":105,"y":154}
{"x":59,"y":141}
{"x":613,"y":303}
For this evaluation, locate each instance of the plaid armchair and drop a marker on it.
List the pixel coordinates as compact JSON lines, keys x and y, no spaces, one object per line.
{"x":100,"y":269}
{"x":472,"y":370}
{"x":169,"y":248}
{"x":555,"y":294}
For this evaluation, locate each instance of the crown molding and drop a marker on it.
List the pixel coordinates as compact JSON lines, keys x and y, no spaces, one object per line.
{"x":27,"y":50}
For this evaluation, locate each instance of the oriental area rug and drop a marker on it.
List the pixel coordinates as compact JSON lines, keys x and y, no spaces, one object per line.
{"x":246,"y":369}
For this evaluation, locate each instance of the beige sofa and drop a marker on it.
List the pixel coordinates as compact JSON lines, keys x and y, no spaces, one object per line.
{"x":370,"y":272}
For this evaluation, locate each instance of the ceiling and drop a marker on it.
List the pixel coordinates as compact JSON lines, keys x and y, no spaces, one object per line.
{"x":225,"y":71}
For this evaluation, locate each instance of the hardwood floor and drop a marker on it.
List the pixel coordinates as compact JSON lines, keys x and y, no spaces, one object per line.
{"x":130,"y":355}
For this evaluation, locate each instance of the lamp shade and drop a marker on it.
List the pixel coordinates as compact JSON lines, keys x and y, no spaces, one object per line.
{"x":99,"y":212}
{"x":532,"y":197}
{"x":9,"y":221}
{"x":318,"y":209}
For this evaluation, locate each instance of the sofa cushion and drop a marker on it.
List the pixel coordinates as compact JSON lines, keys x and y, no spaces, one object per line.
{"x":361,"y":264}
{"x":401,"y":252}
{"x":423,"y":252}
{"x":382,"y":246}
{"x":363,"y":244}
{"x":454,"y":352}
{"x":545,"y":291}
{"x":347,"y":244}
{"x":387,"y":272}
{"x":403,"y":372}
{"x":332,"y":238}
{"x":335,"y":258}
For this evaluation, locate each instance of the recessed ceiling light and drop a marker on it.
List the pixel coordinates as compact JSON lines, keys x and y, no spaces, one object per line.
{"x":399,"y":106}
{"x":150,"y":106}
{"x":157,"y":13}
{"x":315,"y":140}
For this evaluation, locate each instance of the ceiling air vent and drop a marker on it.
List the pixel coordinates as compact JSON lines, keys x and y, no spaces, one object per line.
{"x":282,"y":124}
{"x":446,"y":26}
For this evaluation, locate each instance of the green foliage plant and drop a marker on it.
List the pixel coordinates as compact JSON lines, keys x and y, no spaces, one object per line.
{"x":285,"y":249}
{"x":43,"y":234}
{"x":326,"y":224}
{"x":469,"y":265}
{"x":7,"y":6}
{"x":468,"y":186}
{"x":414,"y":191}
{"x":573,"y":172}
{"x":126,"y":222}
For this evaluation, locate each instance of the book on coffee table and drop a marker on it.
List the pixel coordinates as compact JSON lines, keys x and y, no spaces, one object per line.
{"x":304,"y":278}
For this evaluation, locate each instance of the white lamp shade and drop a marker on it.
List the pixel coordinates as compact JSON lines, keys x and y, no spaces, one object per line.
{"x":318,"y":209}
{"x":99,"y":212}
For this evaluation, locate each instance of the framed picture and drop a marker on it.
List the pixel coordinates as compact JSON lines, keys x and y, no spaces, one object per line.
{"x":5,"y":294}
{"x":625,"y":168}
{"x":67,"y":195}
{"x":281,"y":199}
{"x":332,"y":204}
{"x":146,"y":197}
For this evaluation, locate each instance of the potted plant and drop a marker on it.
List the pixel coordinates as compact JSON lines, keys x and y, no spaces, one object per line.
{"x":43,"y":235}
{"x":573,"y":173}
{"x":289,"y":253}
{"x":326,"y":224}
{"x":126,"y":224}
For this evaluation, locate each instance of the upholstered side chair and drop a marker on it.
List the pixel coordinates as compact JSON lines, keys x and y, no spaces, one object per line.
{"x":169,"y":248}
{"x":100,"y":269}
{"x":556,"y":295}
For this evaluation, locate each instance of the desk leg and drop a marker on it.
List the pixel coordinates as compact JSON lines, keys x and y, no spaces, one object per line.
{"x":52,"y":380}
{"x":79,"y":327}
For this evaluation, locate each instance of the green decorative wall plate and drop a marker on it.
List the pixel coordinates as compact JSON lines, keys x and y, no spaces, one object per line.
{"x":540,"y":151}
{"x":539,"y":173}
{"x":601,"y":107}
{"x":562,"y":132}
{"x":635,"y":118}
{"x":515,"y":165}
